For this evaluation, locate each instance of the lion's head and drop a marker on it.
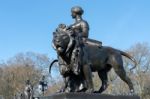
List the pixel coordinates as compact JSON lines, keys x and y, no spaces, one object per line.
{"x":60,"y":40}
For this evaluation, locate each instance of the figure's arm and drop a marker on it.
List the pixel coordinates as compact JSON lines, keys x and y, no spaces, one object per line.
{"x":85,"y":32}
{"x":73,"y":26}
{"x":70,"y":44}
{"x":85,"y":29}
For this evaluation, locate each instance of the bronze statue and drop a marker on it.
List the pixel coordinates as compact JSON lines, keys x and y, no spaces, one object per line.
{"x":80,"y":33}
{"x":72,"y":43}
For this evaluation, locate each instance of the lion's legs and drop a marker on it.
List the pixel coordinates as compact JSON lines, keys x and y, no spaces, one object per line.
{"x":103,"y":76}
{"x":122,"y":74}
{"x":88,"y":77}
{"x":64,"y":87}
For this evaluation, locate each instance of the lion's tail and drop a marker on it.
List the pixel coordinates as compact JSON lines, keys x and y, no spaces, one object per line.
{"x":56,"y":60}
{"x":130,"y":57}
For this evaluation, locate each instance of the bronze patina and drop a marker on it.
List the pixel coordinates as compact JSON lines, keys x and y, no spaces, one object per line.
{"x":79,"y":56}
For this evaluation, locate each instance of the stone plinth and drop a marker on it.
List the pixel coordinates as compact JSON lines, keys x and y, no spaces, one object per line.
{"x":87,"y":96}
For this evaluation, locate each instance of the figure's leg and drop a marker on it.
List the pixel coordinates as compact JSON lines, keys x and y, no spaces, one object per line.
{"x":88,"y":77}
{"x":75,"y":60}
{"x":94,"y":42}
{"x":103,"y":76}
{"x":122,"y":74}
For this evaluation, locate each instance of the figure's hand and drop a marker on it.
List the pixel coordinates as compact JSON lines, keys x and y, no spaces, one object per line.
{"x":71,"y":27}
{"x":68,"y":27}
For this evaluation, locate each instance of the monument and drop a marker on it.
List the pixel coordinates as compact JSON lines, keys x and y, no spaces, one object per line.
{"x":79,"y":56}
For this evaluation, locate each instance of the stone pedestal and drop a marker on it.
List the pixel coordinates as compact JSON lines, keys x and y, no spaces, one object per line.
{"x":87,"y":96}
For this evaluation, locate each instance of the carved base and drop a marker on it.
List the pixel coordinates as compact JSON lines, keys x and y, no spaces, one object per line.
{"x":87,"y":96}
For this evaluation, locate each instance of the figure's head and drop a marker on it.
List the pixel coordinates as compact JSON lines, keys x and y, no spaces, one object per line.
{"x":76,"y":11}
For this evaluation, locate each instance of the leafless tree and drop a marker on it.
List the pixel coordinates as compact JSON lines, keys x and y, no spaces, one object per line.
{"x":20,"y":68}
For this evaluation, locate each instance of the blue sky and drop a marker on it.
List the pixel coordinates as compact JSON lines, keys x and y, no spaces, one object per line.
{"x":27,"y":25}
